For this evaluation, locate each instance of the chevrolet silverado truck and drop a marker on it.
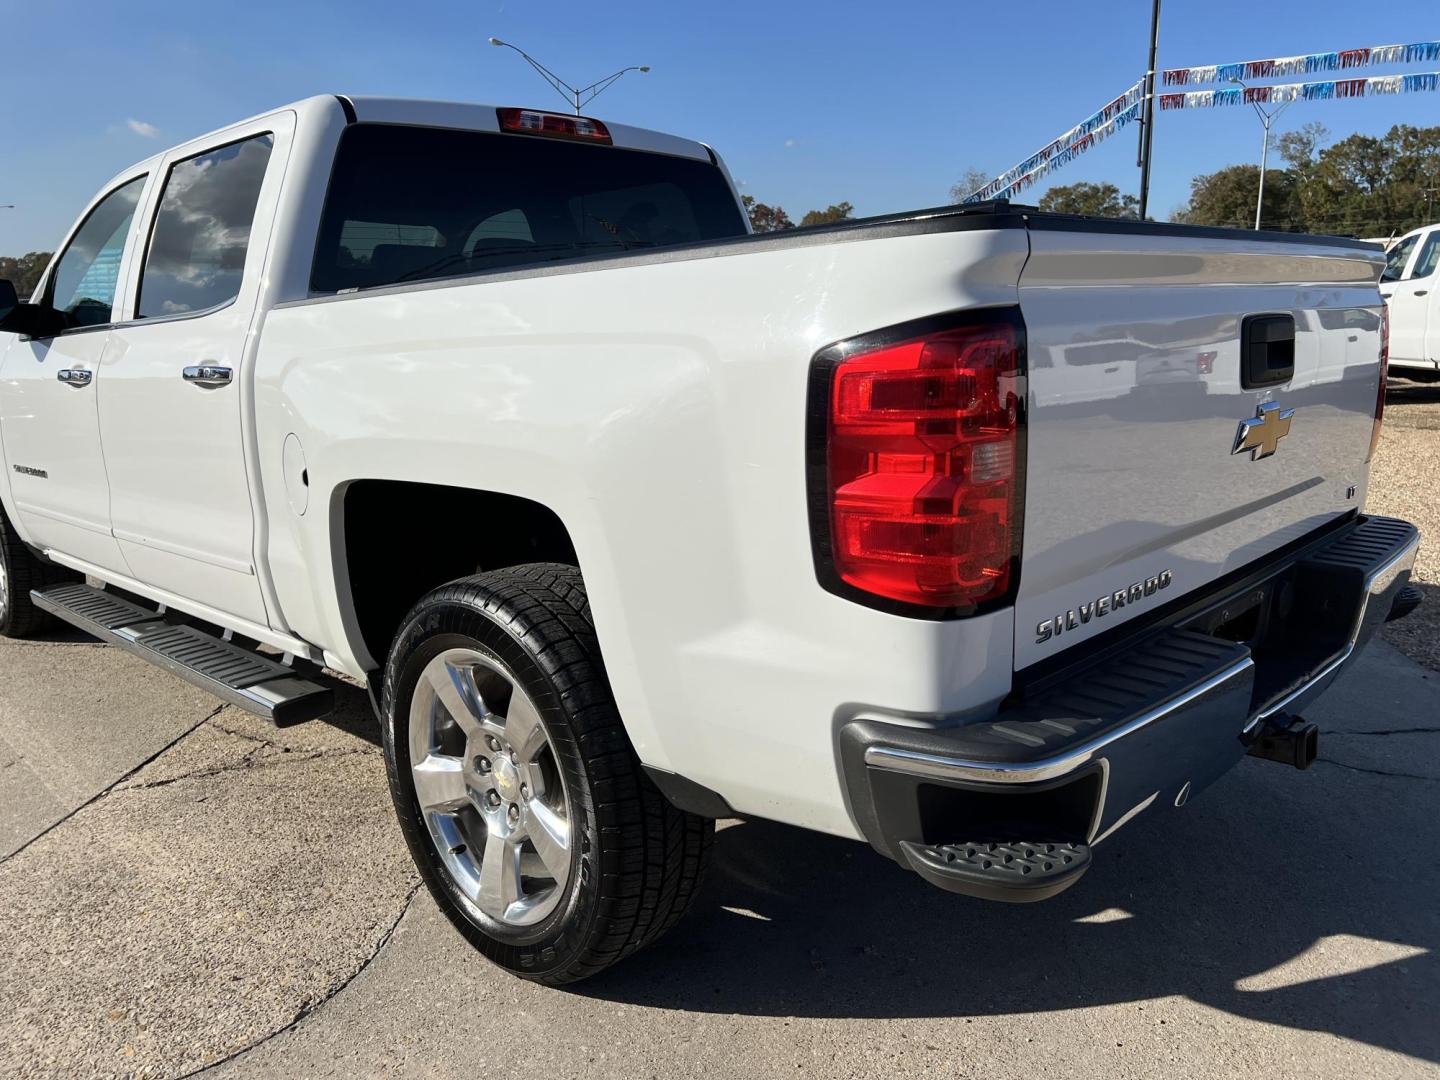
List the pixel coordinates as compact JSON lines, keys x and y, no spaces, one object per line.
{"x":972,"y":533}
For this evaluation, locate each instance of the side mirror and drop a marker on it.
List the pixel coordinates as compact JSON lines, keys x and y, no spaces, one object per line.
{"x":27,"y":320}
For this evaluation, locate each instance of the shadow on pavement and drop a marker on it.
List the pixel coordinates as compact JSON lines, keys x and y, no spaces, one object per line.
{"x":352,"y":714}
{"x":1411,"y":392}
{"x":1202,"y":904}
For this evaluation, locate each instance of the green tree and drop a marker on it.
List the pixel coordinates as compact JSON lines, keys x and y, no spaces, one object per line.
{"x":971,"y":181}
{"x":24,"y":272}
{"x":1092,"y":200}
{"x":837,"y":212}
{"x":1227,"y":196}
{"x":765,"y":218}
{"x":1364,"y":186}
{"x":1300,"y":148}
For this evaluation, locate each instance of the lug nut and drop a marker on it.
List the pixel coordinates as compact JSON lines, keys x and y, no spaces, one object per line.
{"x":513,"y":814}
{"x":493,"y":798}
{"x":482,"y":764}
{"x":493,"y":743}
{"x":524,"y":791}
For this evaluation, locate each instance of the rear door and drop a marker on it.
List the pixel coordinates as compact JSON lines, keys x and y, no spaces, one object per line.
{"x":1135,"y":493}
{"x":48,"y":403}
{"x":173,"y":382}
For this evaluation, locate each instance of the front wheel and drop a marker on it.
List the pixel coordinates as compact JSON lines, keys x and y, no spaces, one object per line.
{"x":518,"y":791}
{"x":20,"y":571}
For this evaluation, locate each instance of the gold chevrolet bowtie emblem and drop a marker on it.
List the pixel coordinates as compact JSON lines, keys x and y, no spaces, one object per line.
{"x":1262,"y":435}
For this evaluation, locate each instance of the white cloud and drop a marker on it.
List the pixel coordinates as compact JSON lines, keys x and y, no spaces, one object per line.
{"x":789,"y":143}
{"x":140,"y":127}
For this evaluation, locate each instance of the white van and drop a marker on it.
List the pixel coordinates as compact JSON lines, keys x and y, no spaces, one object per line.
{"x":1409,"y":287}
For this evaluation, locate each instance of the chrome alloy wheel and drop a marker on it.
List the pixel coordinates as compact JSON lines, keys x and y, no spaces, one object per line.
{"x":4,"y":589}
{"x":490,"y":788}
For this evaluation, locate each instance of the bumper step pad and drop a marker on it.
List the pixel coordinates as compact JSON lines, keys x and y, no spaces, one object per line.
{"x":243,"y":677}
{"x":1017,"y":872}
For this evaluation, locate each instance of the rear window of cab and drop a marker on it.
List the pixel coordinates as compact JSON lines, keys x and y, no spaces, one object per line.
{"x":410,"y":204}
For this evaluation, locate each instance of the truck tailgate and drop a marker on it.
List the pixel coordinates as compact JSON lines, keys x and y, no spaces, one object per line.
{"x":1135,"y":494}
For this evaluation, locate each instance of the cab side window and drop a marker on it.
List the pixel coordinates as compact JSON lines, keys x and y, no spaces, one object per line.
{"x":1397,"y":258}
{"x":82,"y":285}
{"x":1429,"y":258}
{"x":202,"y":230}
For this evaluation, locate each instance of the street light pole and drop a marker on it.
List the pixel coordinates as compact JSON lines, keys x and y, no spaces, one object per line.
{"x":573,"y":97}
{"x":1266,"y":119}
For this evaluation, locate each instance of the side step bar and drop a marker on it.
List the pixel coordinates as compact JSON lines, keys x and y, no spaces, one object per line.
{"x":237,"y":675}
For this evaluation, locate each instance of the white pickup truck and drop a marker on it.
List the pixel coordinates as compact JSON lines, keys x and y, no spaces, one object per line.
{"x":972,"y":532}
{"x":1411,"y":287}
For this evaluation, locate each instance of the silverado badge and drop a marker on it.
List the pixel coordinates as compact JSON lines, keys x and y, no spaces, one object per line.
{"x":1262,"y":434}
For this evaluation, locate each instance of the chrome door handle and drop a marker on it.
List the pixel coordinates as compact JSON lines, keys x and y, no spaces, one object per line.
{"x":75,"y":376}
{"x":208,"y":375}
{"x":1421,"y":292}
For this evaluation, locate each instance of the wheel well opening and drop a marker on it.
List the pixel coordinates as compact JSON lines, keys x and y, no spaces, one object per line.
{"x":404,"y":539}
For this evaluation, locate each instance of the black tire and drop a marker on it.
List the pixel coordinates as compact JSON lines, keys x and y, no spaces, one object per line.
{"x":20,"y":571}
{"x":638,"y":860}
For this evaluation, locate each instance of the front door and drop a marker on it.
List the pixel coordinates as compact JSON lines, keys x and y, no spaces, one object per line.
{"x":48,"y":401}
{"x":1408,"y":292}
{"x":172,"y":414}
{"x":1424,"y":284}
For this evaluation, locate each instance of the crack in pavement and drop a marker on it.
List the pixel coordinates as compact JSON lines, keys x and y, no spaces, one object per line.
{"x":1377,"y":772}
{"x":249,"y":762}
{"x":107,"y":790}
{"x":310,"y":1008}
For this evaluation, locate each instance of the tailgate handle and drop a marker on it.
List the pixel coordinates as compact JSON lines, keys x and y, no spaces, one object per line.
{"x":1267,"y":350}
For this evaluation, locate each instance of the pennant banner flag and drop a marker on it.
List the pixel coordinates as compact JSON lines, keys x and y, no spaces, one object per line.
{"x":1420,"y":52}
{"x":1013,"y":183}
{"x":1094,"y":128}
{"x":1310,"y":91}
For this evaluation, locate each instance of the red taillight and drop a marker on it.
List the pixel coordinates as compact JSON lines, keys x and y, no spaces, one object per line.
{"x":555,"y":125}
{"x":1384,"y":375}
{"x":923,"y":463}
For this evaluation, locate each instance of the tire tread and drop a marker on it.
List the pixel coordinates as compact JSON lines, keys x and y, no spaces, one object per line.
{"x":652,"y":854}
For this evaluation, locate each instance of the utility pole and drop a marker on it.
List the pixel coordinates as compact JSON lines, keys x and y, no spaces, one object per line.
{"x":573,"y":97}
{"x":1147,"y":124}
{"x":1266,"y":119}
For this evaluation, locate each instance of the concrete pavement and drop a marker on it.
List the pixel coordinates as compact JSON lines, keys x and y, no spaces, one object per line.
{"x":244,"y":898}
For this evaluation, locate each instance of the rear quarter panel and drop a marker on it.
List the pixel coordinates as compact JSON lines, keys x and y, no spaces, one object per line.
{"x":659,"y":410}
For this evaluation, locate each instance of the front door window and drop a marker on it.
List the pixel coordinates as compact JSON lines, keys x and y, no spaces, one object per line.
{"x":82,"y":286}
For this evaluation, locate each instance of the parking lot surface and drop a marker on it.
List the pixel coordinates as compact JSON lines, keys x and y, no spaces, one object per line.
{"x":1405,"y":483}
{"x":186,"y":888}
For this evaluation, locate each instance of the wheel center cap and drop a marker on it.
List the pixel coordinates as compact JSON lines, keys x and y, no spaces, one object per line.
{"x":507,"y":779}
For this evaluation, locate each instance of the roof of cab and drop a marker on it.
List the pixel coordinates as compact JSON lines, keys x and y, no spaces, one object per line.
{"x":467,"y":116}
{"x":474,"y":117}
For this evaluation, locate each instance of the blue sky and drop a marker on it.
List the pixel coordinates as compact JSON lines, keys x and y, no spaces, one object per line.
{"x":810,"y":102}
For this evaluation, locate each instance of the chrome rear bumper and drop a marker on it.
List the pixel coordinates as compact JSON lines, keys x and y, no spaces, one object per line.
{"x":1152,"y":722}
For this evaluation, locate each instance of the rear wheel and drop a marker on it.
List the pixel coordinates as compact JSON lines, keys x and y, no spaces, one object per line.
{"x":20,"y":571}
{"x":517,"y":789}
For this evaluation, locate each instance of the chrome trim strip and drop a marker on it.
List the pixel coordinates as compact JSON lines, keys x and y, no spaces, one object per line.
{"x":1376,"y":584}
{"x":1100,"y":802}
{"x":893,"y":759}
